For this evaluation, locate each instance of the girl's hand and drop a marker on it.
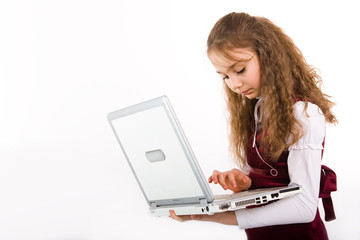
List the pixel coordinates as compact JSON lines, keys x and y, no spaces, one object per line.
{"x":228,"y":218}
{"x":234,"y":180}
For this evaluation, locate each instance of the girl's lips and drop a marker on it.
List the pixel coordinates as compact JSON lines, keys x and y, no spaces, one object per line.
{"x":245,"y":92}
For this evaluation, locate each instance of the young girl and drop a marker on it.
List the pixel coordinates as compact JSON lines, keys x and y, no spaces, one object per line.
{"x":277,"y":117}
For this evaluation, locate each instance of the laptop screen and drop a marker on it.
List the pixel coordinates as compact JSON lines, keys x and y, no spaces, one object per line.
{"x":155,"y":154}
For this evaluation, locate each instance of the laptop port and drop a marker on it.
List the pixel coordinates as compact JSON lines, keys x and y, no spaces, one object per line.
{"x":275,"y":195}
{"x":224,"y":206}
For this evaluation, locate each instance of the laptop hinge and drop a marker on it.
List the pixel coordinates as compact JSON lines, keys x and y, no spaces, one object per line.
{"x":153,"y":206}
{"x":203,"y":201}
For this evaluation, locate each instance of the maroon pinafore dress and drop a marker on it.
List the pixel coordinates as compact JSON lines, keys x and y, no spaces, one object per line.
{"x":261,"y":178}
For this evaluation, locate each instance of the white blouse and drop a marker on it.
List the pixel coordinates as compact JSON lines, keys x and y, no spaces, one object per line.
{"x":304,"y":166}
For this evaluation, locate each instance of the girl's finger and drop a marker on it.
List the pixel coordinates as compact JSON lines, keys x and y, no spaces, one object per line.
{"x":215,"y":176}
{"x":232,"y":180}
{"x":222,"y":181}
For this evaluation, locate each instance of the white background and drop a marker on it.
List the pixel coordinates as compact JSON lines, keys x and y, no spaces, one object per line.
{"x":65,"y":64}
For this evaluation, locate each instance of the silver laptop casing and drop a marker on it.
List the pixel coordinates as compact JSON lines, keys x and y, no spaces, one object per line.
{"x":161,"y":104}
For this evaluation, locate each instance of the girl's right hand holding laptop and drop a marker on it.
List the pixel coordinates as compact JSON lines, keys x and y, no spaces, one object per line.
{"x":234,"y":180}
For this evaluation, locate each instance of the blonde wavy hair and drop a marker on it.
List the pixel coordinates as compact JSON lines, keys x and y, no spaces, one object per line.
{"x":285,"y":78}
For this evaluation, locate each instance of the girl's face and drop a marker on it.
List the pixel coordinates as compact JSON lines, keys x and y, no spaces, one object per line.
{"x":241,"y":73}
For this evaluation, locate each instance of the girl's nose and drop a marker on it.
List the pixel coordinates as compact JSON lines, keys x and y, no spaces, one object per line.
{"x":234,"y":83}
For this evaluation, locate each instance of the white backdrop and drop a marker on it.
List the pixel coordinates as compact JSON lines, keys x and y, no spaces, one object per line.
{"x":65,"y":64}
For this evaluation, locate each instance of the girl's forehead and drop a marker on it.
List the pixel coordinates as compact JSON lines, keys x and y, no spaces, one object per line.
{"x":228,"y":58}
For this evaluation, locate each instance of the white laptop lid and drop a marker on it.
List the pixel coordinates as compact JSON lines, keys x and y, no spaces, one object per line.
{"x":159,"y":154}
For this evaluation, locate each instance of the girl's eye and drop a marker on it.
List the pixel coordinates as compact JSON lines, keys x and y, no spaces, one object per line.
{"x":241,"y":71}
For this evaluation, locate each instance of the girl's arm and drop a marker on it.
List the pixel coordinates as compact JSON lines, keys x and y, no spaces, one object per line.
{"x":304,"y":166}
{"x":304,"y":169}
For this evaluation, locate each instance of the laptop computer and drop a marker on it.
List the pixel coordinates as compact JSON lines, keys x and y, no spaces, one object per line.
{"x":165,"y":166}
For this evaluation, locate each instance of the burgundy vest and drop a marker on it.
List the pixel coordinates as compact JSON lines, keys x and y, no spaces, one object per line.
{"x":261,"y":178}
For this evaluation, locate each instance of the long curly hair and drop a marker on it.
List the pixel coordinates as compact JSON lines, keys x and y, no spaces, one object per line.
{"x":285,"y":78}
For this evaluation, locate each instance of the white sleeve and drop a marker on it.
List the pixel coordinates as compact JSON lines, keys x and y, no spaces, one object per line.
{"x":304,"y":166}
